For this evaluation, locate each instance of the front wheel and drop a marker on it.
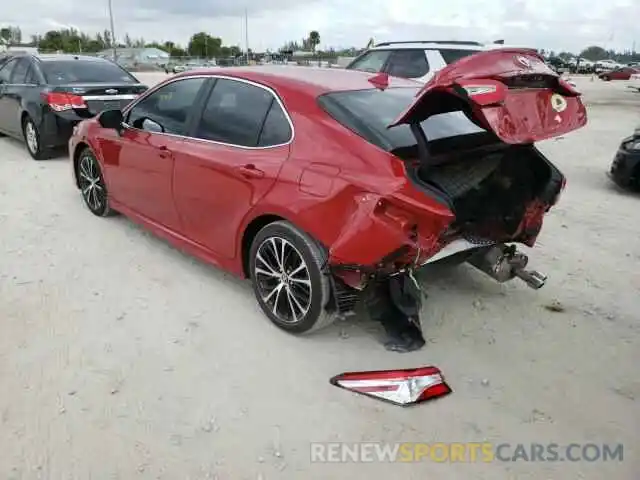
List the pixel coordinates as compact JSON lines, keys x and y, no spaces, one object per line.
{"x":92,"y":185}
{"x":290,"y":286}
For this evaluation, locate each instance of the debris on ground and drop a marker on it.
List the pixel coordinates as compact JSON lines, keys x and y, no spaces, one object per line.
{"x":395,"y":302}
{"x":555,"y":306}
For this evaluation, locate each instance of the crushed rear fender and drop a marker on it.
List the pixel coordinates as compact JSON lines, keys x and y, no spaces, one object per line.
{"x":386,"y":234}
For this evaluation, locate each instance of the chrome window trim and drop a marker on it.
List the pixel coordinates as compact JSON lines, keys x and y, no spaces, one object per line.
{"x":126,"y":96}
{"x":151,"y":91}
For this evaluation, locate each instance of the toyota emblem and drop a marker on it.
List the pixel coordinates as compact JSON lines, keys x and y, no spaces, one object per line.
{"x":523,"y":62}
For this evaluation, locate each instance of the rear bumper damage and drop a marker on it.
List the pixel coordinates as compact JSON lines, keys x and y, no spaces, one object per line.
{"x":395,"y":299}
{"x":385,"y":241}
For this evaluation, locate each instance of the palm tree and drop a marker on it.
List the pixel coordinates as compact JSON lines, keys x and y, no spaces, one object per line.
{"x":314,"y":39}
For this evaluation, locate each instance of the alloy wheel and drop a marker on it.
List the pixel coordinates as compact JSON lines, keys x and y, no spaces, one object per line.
{"x":91,"y":183}
{"x":31,"y":137}
{"x":283,"y":280}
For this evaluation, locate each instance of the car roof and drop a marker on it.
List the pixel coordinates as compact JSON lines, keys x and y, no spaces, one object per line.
{"x":310,"y":80}
{"x":430,"y":45}
{"x":52,"y":57}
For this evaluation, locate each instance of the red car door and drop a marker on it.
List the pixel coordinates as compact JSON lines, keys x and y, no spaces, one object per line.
{"x":139,"y":174}
{"x":232,"y":160}
{"x":139,"y":162}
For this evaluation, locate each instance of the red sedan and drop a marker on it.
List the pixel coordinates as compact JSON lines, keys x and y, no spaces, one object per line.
{"x":318,"y":183}
{"x":619,"y":74}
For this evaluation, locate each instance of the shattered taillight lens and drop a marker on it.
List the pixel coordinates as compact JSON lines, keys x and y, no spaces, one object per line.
{"x":400,"y":387}
{"x":483,"y":92}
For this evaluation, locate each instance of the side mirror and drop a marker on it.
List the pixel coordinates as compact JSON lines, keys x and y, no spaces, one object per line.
{"x":111,"y":119}
{"x":149,"y":125}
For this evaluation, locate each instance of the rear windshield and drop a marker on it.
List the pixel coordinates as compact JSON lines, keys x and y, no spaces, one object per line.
{"x":62,"y":72}
{"x":368,"y":112}
{"x":451,"y":55}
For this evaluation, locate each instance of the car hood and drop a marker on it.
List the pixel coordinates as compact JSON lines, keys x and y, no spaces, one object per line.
{"x":511,"y":92}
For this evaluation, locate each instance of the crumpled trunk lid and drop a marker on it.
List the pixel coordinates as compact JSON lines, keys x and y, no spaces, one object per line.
{"x":510,"y":92}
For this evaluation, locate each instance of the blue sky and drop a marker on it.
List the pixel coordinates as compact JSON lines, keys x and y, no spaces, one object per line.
{"x":549,"y":24}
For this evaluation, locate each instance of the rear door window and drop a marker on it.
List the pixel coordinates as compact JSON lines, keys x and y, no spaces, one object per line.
{"x":235,"y":113}
{"x":408,"y":64}
{"x":372,"y":61}
{"x":63,"y":72}
{"x":451,"y":55}
{"x":19,"y":74}
{"x":5,"y":71}
{"x":32,"y":76}
{"x":276,"y":129}
{"x":169,"y":106}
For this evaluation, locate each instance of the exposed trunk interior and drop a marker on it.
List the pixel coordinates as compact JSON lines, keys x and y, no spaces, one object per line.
{"x":488,"y":188}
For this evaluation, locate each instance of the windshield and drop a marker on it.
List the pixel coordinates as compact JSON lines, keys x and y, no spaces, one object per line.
{"x":62,"y":72}
{"x":368,"y":112}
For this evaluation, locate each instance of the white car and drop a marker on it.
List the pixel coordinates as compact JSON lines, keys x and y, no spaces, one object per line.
{"x":415,"y":60}
{"x":418,"y":60}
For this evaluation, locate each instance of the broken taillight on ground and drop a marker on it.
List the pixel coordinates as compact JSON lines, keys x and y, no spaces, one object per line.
{"x":400,"y":387}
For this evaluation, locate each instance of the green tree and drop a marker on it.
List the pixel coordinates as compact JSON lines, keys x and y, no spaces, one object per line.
{"x":313,"y":40}
{"x":204,"y":45}
{"x":594,"y":53}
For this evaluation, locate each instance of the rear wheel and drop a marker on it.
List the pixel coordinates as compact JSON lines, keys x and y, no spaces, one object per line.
{"x":290,"y":286}
{"x":92,"y":185}
{"x":33,"y":140}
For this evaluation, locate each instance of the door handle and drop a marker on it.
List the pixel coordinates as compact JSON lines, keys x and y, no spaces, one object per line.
{"x":250,"y":171}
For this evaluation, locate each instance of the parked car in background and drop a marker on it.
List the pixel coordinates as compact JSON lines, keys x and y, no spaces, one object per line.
{"x":625,"y":168}
{"x":226,"y":164}
{"x":559,"y":65}
{"x":42,"y":97}
{"x":623,"y":73}
{"x":582,"y":65}
{"x":416,"y":60}
{"x":602,"y":66}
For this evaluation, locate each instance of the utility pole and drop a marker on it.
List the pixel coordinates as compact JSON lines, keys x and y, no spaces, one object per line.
{"x":246,"y":32}
{"x":113,"y":34}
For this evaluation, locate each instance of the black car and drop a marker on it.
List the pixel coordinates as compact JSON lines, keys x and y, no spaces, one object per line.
{"x":42,"y":97}
{"x":625,"y":169}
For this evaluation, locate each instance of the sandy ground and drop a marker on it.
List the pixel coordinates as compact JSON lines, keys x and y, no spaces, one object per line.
{"x":123,"y":358}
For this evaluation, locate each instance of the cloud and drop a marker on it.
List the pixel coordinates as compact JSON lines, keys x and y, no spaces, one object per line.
{"x":549,"y":24}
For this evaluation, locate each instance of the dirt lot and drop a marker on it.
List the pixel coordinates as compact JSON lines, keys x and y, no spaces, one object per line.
{"x":121,"y":357}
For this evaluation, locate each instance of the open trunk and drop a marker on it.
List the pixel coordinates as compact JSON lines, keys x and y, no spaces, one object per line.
{"x":498,"y":189}
{"x":492,"y":190}
{"x":467,"y":140}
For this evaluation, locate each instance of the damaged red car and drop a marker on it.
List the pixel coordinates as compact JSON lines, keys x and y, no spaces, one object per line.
{"x":327,"y":186}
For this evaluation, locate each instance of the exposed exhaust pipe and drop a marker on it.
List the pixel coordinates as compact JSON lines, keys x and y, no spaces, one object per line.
{"x":503,"y":262}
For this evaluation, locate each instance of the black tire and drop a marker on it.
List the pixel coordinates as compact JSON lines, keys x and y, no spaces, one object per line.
{"x":606,"y":79}
{"x":306,"y":291}
{"x":32,"y":137}
{"x":92,"y":185}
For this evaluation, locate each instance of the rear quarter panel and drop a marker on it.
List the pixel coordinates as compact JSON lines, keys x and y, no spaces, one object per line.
{"x":332,"y":183}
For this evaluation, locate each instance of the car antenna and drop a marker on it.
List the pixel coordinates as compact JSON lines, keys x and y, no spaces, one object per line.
{"x":380,"y":81}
